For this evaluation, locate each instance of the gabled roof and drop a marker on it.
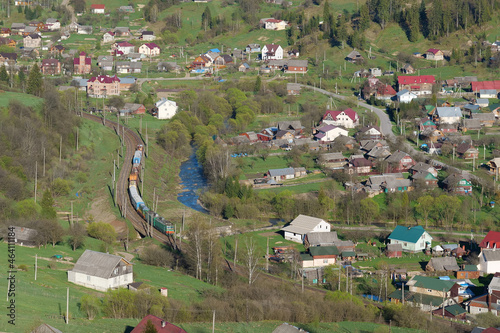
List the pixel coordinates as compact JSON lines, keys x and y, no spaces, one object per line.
{"x":455,"y":309}
{"x":448,"y":111}
{"x":324,"y":251}
{"x":272,"y":48}
{"x":407,"y":234}
{"x":151,"y":45}
{"x":492,"y":240}
{"x":444,"y":264}
{"x":348,"y":112}
{"x":397,"y":156}
{"x":464,"y":147}
{"x":97,"y":264}
{"x":161,"y":326}
{"x":321,"y":238}
{"x":453,"y":179}
{"x":97,"y":6}
{"x":479,"y":85}
{"x":124,"y":44}
{"x":45,"y":328}
{"x":104,"y":79}
{"x":354,"y":54}
{"x":281,"y":172}
{"x":490,"y":254}
{"x":416,"y":79}
{"x":431,"y":283}
{"x":433,"y":51}
{"x":303,"y":224}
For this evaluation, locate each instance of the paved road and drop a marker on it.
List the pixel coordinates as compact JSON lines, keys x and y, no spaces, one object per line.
{"x":385,"y":122}
{"x":140,"y":81}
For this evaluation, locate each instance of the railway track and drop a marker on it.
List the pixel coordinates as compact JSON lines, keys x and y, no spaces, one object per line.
{"x":130,"y":139}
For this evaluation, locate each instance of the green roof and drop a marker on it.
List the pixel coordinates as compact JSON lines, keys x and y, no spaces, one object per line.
{"x":323,"y":251}
{"x":305,"y":256}
{"x":348,"y":254}
{"x":417,"y":297}
{"x":470,"y":268}
{"x":432,"y":283}
{"x":407,"y":234}
{"x":455,"y":309}
{"x":429,"y":107}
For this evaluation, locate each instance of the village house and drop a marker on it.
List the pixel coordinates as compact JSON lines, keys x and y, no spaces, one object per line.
{"x":407,"y":69}
{"x":123,"y":47}
{"x":302,"y":225}
{"x":420,"y":85}
{"x":294,"y":126}
{"x":202,"y":61}
{"x":491,"y":240}
{"x":32,"y":40}
{"x":421,"y":167}
{"x":426,"y":123}
{"x":103,"y":86}
{"x":82,"y":64}
{"x":434,"y":54}
{"x":400,"y":161}
{"x":149,"y":49}
{"x":122,"y":32}
{"x":8,"y":59}
{"x":488,"y":93}
{"x":50,"y":67}
{"x":274,"y":24}
{"x":101,"y":271}
{"x":412,"y":239}
{"x":347,"y":118}
{"x":320,"y":256}
{"x":253,"y":48}
{"x":293,"y":89}
{"x":424,"y":178}
{"x":320,"y":239}
{"x":329,"y":133}
{"x":477,"y":86}
{"x":126,"y":67}
{"x":335,"y":161}
{"x":369,"y":132}
{"x":97,"y":8}
{"x":384,"y":92}
{"x":57,"y":50}
{"x":126,"y":9}
{"x":447,"y":115}
{"x":108,"y":37}
{"x":489,"y":302}
{"x":358,"y":166}
{"x":160,"y":325}
{"x":295,"y":66}
{"x":447,"y":265}
{"x":354,"y":57}
{"x":17,"y":28}
{"x":458,"y":183}
{"x":272,"y":52}
{"x":468,"y":272}
{"x":453,"y":311}
{"x":148,"y":36}
{"x":494,"y":166}
{"x":467,"y":151}
{"x":222,"y":61}
{"x":134,"y":108}
{"x":485,"y":119}
{"x":25,"y":236}
{"x":489,"y":261}
{"x":405,"y":96}
{"x":52,"y":24}
{"x":251,"y":136}
{"x":165,"y":108}
{"x":5,"y":32}
{"x":168,"y":66}
{"x":281,"y":174}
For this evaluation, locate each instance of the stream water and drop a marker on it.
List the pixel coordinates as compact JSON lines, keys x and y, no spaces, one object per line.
{"x":193,"y":181}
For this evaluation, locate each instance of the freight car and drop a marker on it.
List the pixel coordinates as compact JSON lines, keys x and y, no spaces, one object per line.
{"x":148,"y":215}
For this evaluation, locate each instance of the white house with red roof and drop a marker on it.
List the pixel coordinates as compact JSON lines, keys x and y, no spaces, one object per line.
{"x":434,"y":54}
{"x":123,"y":47}
{"x":347,"y":118}
{"x":149,"y":49}
{"x":160,"y":325}
{"x":97,"y":9}
{"x":420,"y":85}
{"x":274,"y":24}
{"x":103,"y":86}
{"x":491,"y":241}
{"x":384,"y":91}
{"x":82,"y":64}
{"x":108,"y":37}
{"x":328,"y":133}
{"x":272,"y":52}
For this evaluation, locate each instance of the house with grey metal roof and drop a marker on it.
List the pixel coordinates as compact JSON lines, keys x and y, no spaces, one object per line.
{"x":447,"y":115}
{"x":488,"y":93}
{"x":302,"y":225}
{"x":489,"y":261}
{"x":321,"y":238}
{"x":101,"y":271}
{"x":281,"y":174}
{"x":442,"y":264}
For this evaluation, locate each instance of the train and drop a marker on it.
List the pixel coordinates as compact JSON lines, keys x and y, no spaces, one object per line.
{"x":151,"y":217}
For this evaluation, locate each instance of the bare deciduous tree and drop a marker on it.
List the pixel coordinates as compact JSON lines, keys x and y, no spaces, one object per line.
{"x":251,"y":259}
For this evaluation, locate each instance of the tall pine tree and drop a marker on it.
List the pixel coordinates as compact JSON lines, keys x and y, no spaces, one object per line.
{"x":424,"y":22}
{"x":34,"y":81}
{"x":206,"y":19}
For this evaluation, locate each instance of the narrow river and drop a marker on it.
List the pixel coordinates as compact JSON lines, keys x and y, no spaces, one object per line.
{"x":193,"y":182}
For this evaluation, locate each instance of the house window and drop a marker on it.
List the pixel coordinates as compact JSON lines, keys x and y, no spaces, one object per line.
{"x":429,"y":290}
{"x":124,"y":268}
{"x":115,"y":272}
{"x":325,"y":261}
{"x":405,"y":244}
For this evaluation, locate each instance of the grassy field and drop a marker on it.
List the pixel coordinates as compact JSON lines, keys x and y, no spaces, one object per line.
{"x":45,"y":298}
{"x":29,"y":100}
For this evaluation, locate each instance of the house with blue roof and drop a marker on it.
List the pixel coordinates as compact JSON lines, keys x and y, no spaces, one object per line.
{"x":412,"y":239}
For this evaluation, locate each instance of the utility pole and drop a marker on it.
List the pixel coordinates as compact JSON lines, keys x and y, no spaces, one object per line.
{"x":60,"y":149}
{"x":44,"y":161}
{"x":77,"y":139}
{"x":36,"y":264}
{"x":36,"y":177}
{"x":213,"y":322}
{"x":71,"y":219}
{"x":267,"y":255}
{"x":67,"y":306}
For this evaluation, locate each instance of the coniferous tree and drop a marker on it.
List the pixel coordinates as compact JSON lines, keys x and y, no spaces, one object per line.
{"x":258,"y":85}
{"x":34,"y":81}
{"x":364,"y":17}
{"x":206,"y":19}
{"x":424,"y":22}
{"x":4,"y":76}
{"x":47,"y":204}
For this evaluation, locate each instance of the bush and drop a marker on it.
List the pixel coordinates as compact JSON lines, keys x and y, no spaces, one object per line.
{"x":61,"y":187}
{"x":23,"y":268}
{"x":156,"y":256}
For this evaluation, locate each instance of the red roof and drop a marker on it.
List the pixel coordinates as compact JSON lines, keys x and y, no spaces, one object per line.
{"x":492,"y":240}
{"x":96,"y":6}
{"x":386,"y":90}
{"x":491,"y":330}
{"x":416,"y":79}
{"x":272,"y":20}
{"x":104,"y":79}
{"x":161,"y":325}
{"x":477,"y":86}
{"x":433,"y":51}
{"x":49,"y":62}
{"x":76,"y":61}
{"x":124,"y":44}
{"x":349,"y":112}
{"x":271,"y":48}
{"x":151,"y":45}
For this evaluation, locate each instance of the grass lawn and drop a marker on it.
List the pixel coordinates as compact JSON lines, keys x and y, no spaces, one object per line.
{"x":409,"y":261}
{"x":45,"y":299}
{"x":26,"y":99}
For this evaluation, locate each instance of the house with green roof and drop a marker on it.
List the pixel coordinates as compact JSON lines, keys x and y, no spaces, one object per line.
{"x":412,"y":239}
{"x":320,"y":256}
{"x":454,"y":311}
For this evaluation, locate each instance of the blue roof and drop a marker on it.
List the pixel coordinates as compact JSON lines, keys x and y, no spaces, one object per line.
{"x":407,"y":234}
{"x":215,"y":50}
{"x":129,"y":80}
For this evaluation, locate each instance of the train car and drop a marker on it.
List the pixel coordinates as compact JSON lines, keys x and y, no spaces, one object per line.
{"x":132,"y":183}
{"x":135,"y":197}
{"x":150,"y":217}
{"x":134,"y":174}
{"x":139,"y":147}
{"x":137,"y":157}
{"x":163,"y":226}
{"x":142,"y":210}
